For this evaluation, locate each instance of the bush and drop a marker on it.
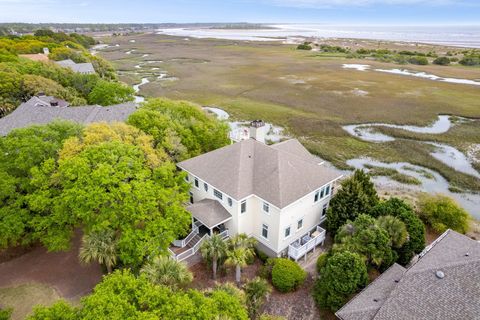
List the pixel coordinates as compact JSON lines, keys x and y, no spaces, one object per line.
{"x":322,"y":261}
{"x":287,"y":275}
{"x":442,"y":213}
{"x":344,"y":273}
{"x":418,"y":61}
{"x":304,"y":46}
{"x":442,"y":61}
{"x":470,"y":61}
{"x":266,"y":270}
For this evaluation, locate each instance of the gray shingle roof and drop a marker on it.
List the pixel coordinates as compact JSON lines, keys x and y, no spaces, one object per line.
{"x":210,"y":212}
{"x":420,"y":294}
{"x":277,"y":174}
{"x":85,"y":68}
{"x":38,"y":111}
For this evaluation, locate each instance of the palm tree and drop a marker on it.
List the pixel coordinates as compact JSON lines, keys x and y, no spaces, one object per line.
{"x":212,"y":250}
{"x":240,"y":250}
{"x":395,"y":228}
{"x":101,"y":247}
{"x":256,"y":290}
{"x":166,"y":271}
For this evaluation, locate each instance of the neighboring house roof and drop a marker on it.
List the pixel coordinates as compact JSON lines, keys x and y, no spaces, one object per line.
{"x":38,"y":110}
{"x":279,"y":174}
{"x":86,"y":68}
{"x":442,"y":284}
{"x":35,"y":57}
{"x":210,"y":212}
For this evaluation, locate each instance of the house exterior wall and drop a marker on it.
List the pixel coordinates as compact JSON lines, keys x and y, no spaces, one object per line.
{"x":252,"y":220}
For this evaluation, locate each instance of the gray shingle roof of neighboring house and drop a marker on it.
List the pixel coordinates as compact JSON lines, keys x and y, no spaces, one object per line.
{"x":210,"y":212}
{"x":38,"y":110}
{"x":279,"y":174}
{"x":443,"y":284}
{"x":85,"y":68}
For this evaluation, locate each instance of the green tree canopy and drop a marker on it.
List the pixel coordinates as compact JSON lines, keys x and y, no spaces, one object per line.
{"x":356,"y":196}
{"x":180,"y":127}
{"x":395,"y":228}
{"x":442,"y":213}
{"x":365,"y":237}
{"x":21,"y":152}
{"x":107,"y":93}
{"x":167,"y":271}
{"x":121,"y":295}
{"x":343,"y":274}
{"x":112,"y":178}
{"x":415,"y":227}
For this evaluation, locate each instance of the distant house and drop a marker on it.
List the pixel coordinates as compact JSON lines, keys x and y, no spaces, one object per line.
{"x":278,"y":194}
{"x":43,"y":109}
{"x":36,"y":57}
{"x":443,"y":284}
{"x":83,"y":68}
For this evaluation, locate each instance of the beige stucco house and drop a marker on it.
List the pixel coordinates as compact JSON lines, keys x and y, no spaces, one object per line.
{"x":277,"y":194}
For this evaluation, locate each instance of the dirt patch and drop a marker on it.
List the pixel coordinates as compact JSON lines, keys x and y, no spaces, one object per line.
{"x":60,"y":270}
{"x":293,"y":305}
{"x":14,"y":252}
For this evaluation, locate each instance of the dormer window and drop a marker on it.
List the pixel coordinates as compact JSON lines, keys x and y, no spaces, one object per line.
{"x":217,"y":194}
{"x":196,"y":183}
{"x":266,"y":207}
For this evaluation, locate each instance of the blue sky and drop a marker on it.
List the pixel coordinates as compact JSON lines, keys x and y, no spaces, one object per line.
{"x":362,"y":12}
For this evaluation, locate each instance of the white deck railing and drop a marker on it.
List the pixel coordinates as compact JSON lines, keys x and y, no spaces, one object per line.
{"x":184,"y":242}
{"x":190,"y":252}
{"x":296,"y":252}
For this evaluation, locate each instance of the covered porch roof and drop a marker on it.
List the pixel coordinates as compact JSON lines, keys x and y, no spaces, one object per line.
{"x":209,"y":212}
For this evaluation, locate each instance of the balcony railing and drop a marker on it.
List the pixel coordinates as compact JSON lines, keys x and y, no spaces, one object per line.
{"x":184,"y":242}
{"x":302,"y":246}
{"x":190,"y":252}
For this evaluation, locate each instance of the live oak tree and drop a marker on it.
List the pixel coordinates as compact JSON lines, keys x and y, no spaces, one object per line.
{"x":112,"y":178}
{"x":356,"y":196}
{"x":180,"y":127}
{"x":21,"y":153}
{"x":121,"y":295}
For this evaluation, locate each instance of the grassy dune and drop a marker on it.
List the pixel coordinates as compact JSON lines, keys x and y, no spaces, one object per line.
{"x":310,"y":94}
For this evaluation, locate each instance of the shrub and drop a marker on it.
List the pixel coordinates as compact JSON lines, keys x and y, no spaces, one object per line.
{"x":442,"y":61}
{"x":418,"y":60}
{"x":470,"y":61}
{"x":266,"y":271}
{"x":344,"y":273}
{"x":304,"y":46}
{"x":322,"y":261}
{"x":442,"y":213}
{"x":287,"y":275}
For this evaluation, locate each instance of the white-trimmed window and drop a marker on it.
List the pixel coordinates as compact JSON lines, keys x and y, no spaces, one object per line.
{"x":317,"y":196}
{"x":187,"y":178}
{"x":191,"y":197}
{"x":243,"y":206}
{"x":205,"y":186}
{"x":217,"y":194}
{"x":300,"y":224}
{"x":196,"y":182}
{"x":266,"y":207}
{"x":322,"y":193}
{"x":327,"y":191}
{"x":230,"y":202}
{"x":265,"y":231}
{"x":287,"y":232}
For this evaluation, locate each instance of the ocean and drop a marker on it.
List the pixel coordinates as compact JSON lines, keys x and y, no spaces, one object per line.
{"x":458,"y":36}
